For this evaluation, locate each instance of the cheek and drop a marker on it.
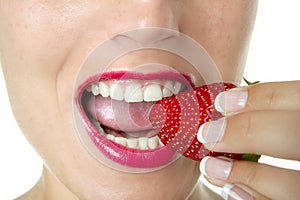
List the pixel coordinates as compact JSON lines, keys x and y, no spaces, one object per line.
{"x":34,"y":39}
{"x":34,"y":44}
{"x":224,"y":29}
{"x":42,"y":45}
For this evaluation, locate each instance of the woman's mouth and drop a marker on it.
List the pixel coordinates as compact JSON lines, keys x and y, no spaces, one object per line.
{"x":115,"y":107}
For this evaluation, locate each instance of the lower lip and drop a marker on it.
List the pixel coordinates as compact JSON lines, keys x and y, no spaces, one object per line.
{"x":122,"y":155}
{"x":128,"y":157}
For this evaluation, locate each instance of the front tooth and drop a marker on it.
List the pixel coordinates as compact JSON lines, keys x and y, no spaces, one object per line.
{"x":121,"y":141}
{"x":132,"y":143}
{"x":133,"y":92}
{"x":104,"y":89}
{"x":153,"y":142}
{"x":95,"y":89}
{"x":116,"y":92}
{"x":177,"y":87}
{"x":143,"y":143}
{"x":110,"y":137}
{"x":152,"y":92}
{"x":168,"y":87}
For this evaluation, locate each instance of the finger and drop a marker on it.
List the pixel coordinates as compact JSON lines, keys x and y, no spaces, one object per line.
{"x":272,"y":182}
{"x":238,"y":191}
{"x":263,"y":96}
{"x":231,"y":191}
{"x":273,"y":133}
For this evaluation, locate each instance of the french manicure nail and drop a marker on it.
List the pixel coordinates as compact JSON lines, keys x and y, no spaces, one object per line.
{"x":232,"y":100}
{"x":234,"y":192}
{"x":215,"y":168}
{"x":211,"y":132}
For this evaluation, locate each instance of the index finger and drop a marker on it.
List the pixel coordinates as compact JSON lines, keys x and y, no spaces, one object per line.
{"x":262,"y":96}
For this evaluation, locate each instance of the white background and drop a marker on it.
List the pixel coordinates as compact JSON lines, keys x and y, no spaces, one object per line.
{"x":274,"y":56}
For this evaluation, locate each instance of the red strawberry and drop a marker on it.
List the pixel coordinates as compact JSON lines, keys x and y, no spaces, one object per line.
{"x":179,"y":117}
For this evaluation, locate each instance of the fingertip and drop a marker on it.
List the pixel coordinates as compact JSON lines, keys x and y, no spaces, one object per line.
{"x":219,"y":106}
{"x":203,"y":164}
{"x":231,"y":191}
{"x":226,"y":190}
{"x":200,"y":133}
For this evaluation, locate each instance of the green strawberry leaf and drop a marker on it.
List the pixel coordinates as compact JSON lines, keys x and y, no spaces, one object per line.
{"x":250,"y":83}
{"x":251,"y":157}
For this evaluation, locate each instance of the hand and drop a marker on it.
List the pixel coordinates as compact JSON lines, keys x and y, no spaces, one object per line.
{"x":260,"y":119}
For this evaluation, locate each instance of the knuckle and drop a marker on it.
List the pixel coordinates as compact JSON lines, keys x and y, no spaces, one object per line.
{"x":251,"y":175}
{"x":241,"y":130}
{"x":296,"y":93}
{"x":270,"y":98}
{"x":268,"y":95}
{"x":273,"y":95}
{"x":246,"y":122}
{"x":245,"y":172}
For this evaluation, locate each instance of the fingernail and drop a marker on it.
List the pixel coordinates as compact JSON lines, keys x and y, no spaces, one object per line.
{"x":211,"y":132}
{"x":234,"y":192}
{"x":232,"y":100}
{"x":215,"y":168}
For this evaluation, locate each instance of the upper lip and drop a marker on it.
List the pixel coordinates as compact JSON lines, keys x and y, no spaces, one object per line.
{"x":150,"y":158}
{"x":136,"y":75}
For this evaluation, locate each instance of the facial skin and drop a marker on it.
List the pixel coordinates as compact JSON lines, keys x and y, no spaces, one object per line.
{"x":44,"y":43}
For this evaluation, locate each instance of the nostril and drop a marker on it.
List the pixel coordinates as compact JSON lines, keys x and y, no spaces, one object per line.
{"x":124,"y":40}
{"x":146,"y":36}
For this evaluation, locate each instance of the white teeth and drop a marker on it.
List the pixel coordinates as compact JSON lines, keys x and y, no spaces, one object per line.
{"x":168,"y":87}
{"x":116,"y":92}
{"x":152,"y":93}
{"x":95,"y":89}
{"x":99,"y":128}
{"x":132,"y":143}
{"x":143,"y":143}
{"x":133,"y":92}
{"x":160,"y":143}
{"x":121,"y":140}
{"x":177,"y":87}
{"x":104,"y":89}
{"x":153,"y":142}
{"x":110,"y":137}
{"x":89,"y":88}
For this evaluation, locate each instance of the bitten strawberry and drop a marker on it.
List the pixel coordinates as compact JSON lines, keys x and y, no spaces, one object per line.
{"x":179,"y":117}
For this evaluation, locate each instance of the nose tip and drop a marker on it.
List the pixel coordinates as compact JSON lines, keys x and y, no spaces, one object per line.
{"x":156,"y":21}
{"x":157,"y":13}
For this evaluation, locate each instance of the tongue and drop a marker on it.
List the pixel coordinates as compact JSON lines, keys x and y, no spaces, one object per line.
{"x":120,"y":115}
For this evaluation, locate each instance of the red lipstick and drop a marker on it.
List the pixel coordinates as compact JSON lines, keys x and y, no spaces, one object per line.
{"x":97,"y":142}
